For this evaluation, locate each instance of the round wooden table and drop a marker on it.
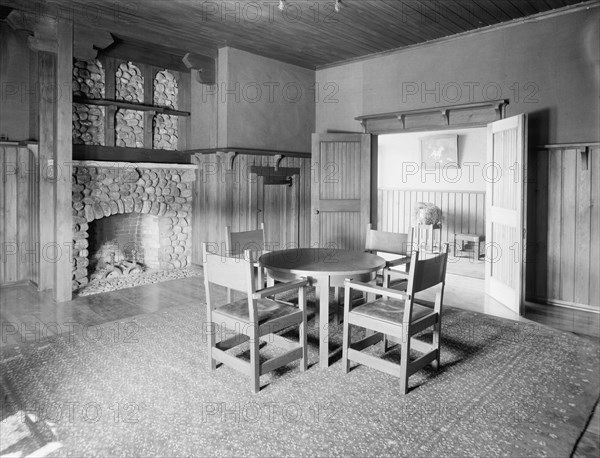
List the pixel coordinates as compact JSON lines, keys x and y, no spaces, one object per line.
{"x":324,"y":267}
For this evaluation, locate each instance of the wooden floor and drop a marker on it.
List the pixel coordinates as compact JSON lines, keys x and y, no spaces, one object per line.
{"x":28,"y":315}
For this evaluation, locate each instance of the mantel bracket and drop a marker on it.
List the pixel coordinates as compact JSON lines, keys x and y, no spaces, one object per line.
{"x":227,"y":158}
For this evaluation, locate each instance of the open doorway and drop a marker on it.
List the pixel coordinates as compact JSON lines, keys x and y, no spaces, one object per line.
{"x":445,"y":169}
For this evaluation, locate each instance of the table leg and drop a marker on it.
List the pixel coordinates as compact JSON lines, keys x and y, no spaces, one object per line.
{"x":336,"y":300}
{"x":323,"y":291}
{"x":260,"y":278}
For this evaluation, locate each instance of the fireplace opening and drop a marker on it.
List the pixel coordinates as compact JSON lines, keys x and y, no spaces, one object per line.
{"x":133,"y":222}
{"x":123,"y":244}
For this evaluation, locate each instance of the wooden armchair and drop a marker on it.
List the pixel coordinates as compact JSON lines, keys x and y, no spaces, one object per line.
{"x":395,"y":248}
{"x":253,"y":317}
{"x":236,"y":244}
{"x":398,"y":315}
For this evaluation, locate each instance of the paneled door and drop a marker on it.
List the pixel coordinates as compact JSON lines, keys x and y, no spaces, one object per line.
{"x":341,"y":190}
{"x":273,"y":199}
{"x":280,"y":213}
{"x":505,"y":208}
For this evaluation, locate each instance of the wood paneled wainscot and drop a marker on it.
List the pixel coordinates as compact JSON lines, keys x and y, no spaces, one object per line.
{"x":567,"y":219}
{"x":19,"y":217}
{"x":563,"y":261}
{"x":243,"y":190}
{"x":462,"y":211}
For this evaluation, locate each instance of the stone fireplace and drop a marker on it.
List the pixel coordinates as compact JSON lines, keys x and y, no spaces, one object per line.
{"x":134,"y":213}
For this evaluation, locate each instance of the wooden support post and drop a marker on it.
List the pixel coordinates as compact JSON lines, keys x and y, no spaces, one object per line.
{"x":148,"y":71}
{"x":183,"y":103}
{"x":47,"y":91}
{"x":110,"y":69}
{"x":149,"y":128}
{"x":63,"y":224}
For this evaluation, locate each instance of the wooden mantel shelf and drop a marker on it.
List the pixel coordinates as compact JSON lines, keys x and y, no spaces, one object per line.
{"x":129,"y":106}
{"x":265,"y":152}
{"x":125,"y":154}
{"x":451,"y":116}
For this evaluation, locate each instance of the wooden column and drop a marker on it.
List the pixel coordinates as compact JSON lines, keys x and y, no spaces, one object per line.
{"x":198,"y":210}
{"x":47,"y":114}
{"x":63,"y":224}
{"x":148,"y":71}
{"x":184,"y":103}
{"x":110,"y":69}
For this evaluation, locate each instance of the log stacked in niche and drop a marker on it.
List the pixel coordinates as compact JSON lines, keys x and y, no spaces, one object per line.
{"x":88,"y":120}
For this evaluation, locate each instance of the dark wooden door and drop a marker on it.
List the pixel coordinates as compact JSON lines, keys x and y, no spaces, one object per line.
{"x":280,"y":212}
{"x":341,"y":190}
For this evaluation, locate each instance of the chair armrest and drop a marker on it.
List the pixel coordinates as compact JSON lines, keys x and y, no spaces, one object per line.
{"x":398,"y":262}
{"x":369,"y":288}
{"x":280,"y":288}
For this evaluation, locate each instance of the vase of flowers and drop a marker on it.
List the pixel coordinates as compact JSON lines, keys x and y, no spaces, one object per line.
{"x":427,"y":213}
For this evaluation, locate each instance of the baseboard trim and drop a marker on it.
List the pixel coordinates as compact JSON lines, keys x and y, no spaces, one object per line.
{"x":14,"y":284}
{"x":558,"y":303}
{"x":569,"y":319}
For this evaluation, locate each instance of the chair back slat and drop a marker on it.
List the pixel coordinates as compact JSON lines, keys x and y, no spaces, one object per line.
{"x":426,"y":273}
{"x":388,"y":242}
{"x":238,"y":242}
{"x":232,"y":272}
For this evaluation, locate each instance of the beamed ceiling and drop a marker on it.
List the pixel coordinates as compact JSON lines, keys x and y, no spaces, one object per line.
{"x":308,"y":33}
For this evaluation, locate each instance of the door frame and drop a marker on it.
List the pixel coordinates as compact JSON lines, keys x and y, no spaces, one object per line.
{"x":397,"y":129}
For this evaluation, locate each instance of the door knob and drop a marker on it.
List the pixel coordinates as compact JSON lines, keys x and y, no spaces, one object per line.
{"x":316,"y":212}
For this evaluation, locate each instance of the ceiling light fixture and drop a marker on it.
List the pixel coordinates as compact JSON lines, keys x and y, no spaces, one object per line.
{"x":281,"y":5}
{"x":338,"y":6}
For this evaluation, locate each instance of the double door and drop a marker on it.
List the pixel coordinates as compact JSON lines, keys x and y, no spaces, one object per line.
{"x":342,"y":189}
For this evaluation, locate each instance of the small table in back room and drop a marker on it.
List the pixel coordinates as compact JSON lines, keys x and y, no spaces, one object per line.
{"x":324,"y":267}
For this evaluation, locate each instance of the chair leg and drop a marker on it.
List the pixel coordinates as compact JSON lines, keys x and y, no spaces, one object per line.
{"x":370,"y":298}
{"x":346,"y":338}
{"x":436,"y":344}
{"x":303,"y":331}
{"x":254,"y":359}
{"x":212,"y":340}
{"x":229,"y":295}
{"x":345,"y":346}
{"x":404,"y":366}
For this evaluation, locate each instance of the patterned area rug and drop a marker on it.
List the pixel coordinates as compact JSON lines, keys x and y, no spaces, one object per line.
{"x":141,"y":387}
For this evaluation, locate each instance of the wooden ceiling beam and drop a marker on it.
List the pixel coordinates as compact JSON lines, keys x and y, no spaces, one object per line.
{"x":145,"y":52}
{"x":205,"y":66}
{"x":88,"y":40}
{"x":42,"y":30}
